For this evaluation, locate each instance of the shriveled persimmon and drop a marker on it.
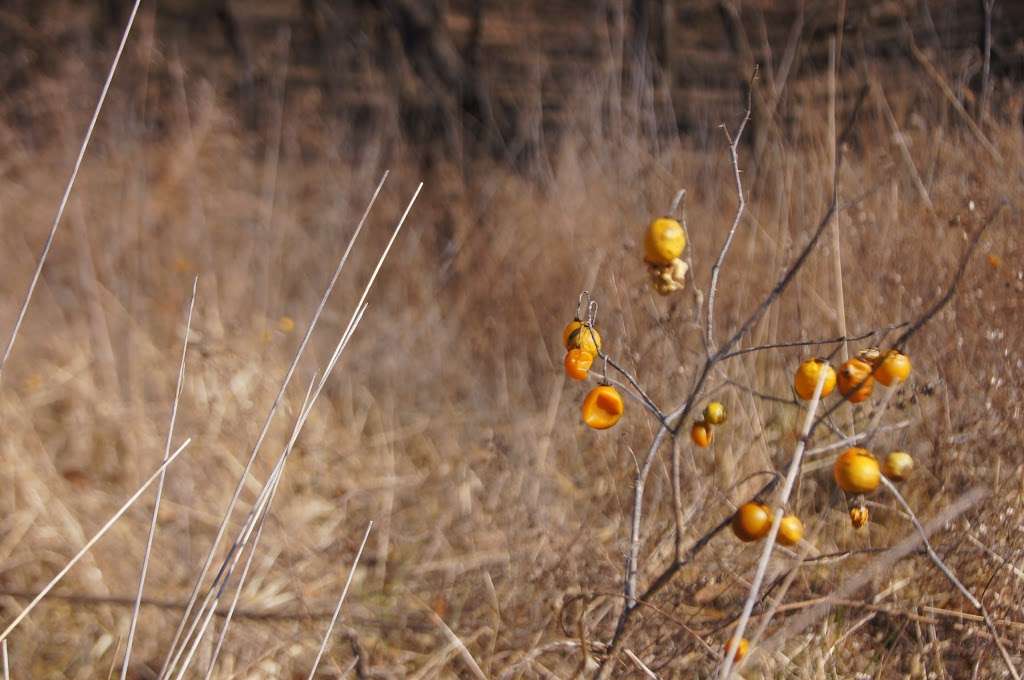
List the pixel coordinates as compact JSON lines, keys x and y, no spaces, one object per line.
{"x":577,"y":363}
{"x":586,"y":338}
{"x":701,"y":434}
{"x":859,"y":516}
{"x":569,"y":329}
{"x":855,"y":381}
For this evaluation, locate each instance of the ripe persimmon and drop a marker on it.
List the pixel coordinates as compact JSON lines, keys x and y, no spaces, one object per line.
{"x":894,"y":367}
{"x":856,"y":471}
{"x":714,"y":413}
{"x":752,"y":521}
{"x":898,"y":466}
{"x":603,"y":407}
{"x":806,"y":378}
{"x":664,"y":241}
{"x":791,"y":530}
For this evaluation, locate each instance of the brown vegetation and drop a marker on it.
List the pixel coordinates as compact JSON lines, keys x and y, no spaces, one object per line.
{"x":501,"y":522}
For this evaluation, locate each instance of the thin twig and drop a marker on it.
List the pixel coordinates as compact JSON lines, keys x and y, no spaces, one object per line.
{"x":957,"y":276}
{"x":160,"y":485}
{"x":67,"y":189}
{"x":625,"y":389}
{"x":948,"y":573}
{"x":92,"y":541}
{"x":716,"y":268}
{"x":823,"y":341}
{"x":341,"y":601}
{"x":882,"y":102}
{"x":850,"y":441}
{"x":636,"y":385}
{"x":951,"y":97}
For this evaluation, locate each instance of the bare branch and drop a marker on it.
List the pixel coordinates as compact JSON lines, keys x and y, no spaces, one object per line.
{"x":716,"y":268}
{"x":824,"y":341}
{"x":636,"y":385}
{"x":679,"y":415}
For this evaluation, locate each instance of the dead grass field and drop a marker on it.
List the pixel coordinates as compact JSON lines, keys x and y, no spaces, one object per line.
{"x":501,"y":522}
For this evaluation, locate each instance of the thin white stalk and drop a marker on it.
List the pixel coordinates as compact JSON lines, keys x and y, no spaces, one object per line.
{"x":67,"y":189}
{"x":258,"y":515}
{"x":92,"y":541}
{"x":267,"y":490}
{"x":272,"y":483}
{"x":174,"y":654}
{"x":341,"y":601}
{"x":7,"y":666}
{"x":357,"y":315}
{"x":234,"y":600}
{"x":641,"y":665}
{"x":160,"y":486}
{"x":255,"y":521}
{"x":837,"y":256}
{"x":769,"y":544}
{"x":199,"y":637}
{"x":850,"y":441}
{"x":266,"y":428}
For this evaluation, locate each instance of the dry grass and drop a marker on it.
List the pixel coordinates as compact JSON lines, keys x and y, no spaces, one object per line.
{"x":500,"y":521}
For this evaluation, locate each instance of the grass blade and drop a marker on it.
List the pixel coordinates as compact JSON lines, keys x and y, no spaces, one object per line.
{"x":92,"y":541}
{"x":67,"y":190}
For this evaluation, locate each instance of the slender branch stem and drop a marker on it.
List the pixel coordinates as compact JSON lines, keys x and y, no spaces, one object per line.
{"x":823,"y":341}
{"x":716,"y":268}
{"x":636,"y":385}
{"x":857,"y":438}
{"x":948,"y":573}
